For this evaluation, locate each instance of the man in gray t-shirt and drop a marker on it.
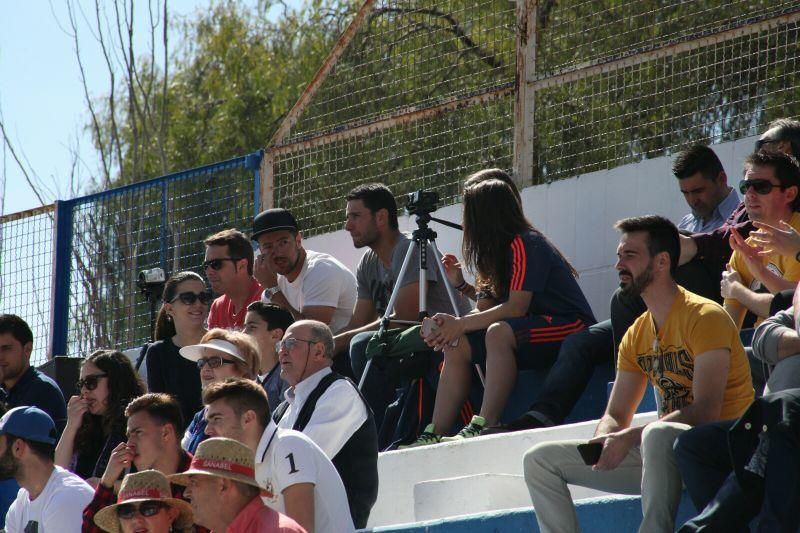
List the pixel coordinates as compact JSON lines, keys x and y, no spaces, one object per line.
{"x":375,"y":282}
{"x":372,"y":222}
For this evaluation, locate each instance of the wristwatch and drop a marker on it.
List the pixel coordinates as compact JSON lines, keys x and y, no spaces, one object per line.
{"x":272,"y":291}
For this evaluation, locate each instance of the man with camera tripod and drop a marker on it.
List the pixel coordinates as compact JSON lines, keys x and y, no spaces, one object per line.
{"x":371,"y":220}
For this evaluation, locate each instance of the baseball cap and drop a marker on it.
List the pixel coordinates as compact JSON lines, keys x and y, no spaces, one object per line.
{"x":29,"y":423}
{"x":275,"y":219}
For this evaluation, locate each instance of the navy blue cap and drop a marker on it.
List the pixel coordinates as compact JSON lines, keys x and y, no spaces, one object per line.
{"x":29,"y":423}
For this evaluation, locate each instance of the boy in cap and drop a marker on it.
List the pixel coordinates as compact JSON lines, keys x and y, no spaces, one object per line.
{"x":145,"y":502}
{"x":50,"y":499}
{"x":224,"y":494}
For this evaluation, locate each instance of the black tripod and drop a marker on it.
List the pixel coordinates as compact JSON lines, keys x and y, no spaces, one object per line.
{"x":421,"y":238}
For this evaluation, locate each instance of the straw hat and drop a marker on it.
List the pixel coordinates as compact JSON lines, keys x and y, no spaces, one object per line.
{"x":221,"y":457}
{"x":144,"y":486}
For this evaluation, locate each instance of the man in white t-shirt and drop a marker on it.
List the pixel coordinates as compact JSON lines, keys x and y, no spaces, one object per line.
{"x":309,"y":284}
{"x":297,"y":477}
{"x":50,"y":499}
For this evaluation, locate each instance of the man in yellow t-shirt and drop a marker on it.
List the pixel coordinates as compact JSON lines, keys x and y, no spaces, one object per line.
{"x":770,"y":188}
{"x":688,"y":348}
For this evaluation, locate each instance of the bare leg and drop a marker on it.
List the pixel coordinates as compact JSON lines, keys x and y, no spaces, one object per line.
{"x":501,"y":370}
{"x":453,"y":385}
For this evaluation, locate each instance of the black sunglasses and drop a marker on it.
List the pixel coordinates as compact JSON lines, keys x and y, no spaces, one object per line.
{"x":761,"y":142}
{"x":215,"y":361}
{"x":90,"y":382}
{"x":759,"y":186}
{"x":216,"y":264}
{"x":189,"y":298}
{"x":126,"y":511}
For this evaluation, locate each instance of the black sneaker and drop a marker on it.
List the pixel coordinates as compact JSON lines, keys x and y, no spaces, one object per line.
{"x":526,"y":421}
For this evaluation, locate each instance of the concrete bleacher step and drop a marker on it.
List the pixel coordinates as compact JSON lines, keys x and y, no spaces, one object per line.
{"x":604,"y":514}
{"x":401,"y":471}
{"x":469,"y":494}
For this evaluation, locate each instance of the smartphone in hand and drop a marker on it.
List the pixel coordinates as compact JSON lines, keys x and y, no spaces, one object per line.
{"x":590,"y":452}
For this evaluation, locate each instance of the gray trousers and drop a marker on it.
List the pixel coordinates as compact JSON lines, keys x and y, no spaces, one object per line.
{"x":649,"y":470}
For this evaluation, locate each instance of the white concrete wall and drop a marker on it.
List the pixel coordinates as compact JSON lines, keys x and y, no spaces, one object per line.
{"x":578,"y":214}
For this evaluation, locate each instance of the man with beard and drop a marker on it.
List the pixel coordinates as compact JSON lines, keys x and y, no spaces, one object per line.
{"x":771,"y":189}
{"x":308,"y":284}
{"x":371,"y":221}
{"x":688,"y":348}
{"x":50,"y":498}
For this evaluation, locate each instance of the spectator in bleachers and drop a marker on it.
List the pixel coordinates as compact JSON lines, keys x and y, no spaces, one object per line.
{"x":96,"y":415}
{"x":311,"y":285}
{"x":703,"y":182}
{"x":221,"y":354}
{"x":762,"y":455}
{"x":371,"y":220}
{"x":782,"y":135}
{"x":529,"y":302}
{"x":229,"y":267}
{"x":154,"y":430}
{"x":145,"y":504}
{"x":23,"y":384}
{"x":771,"y":189}
{"x":297,"y":477}
{"x":689,"y":350}
{"x":224,"y":493}
{"x":180,"y":322}
{"x":328,"y":408}
{"x":702,"y":453}
{"x":704,"y":186}
{"x":267,"y":323}
{"x":50,"y":498}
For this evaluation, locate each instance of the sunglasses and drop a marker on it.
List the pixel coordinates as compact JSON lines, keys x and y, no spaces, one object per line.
{"x":189,"y":298}
{"x":127,"y":511}
{"x":759,"y":186}
{"x":761,"y":142}
{"x":216,"y":264}
{"x":215,"y":361}
{"x":89,"y":382}
{"x":291,"y":342}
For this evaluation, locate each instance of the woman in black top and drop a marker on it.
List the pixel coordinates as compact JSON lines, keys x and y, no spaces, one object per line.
{"x":180,"y":322}
{"x":96,"y":421}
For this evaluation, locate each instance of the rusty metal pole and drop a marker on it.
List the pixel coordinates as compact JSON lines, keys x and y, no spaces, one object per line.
{"x":525,"y":94}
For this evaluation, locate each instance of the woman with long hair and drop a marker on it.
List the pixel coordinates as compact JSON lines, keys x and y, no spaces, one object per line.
{"x":180,"y":322}
{"x":96,"y":421}
{"x":221,"y":354}
{"x":528,"y":301}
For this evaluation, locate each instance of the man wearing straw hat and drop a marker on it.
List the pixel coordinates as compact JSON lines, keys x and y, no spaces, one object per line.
{"x":145,"y":503}
{"x":50,"y":498}
{"x":224,"y":494}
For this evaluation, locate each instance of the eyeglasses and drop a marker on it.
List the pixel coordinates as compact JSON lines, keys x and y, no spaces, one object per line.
{"x":761,"y":142}
{"x":127,"y":511}
{"x":291,"y":342}
{"x":215,"y":361}
{"x":189,"y":298}
{"x":759,"y":186}
{"x":90,"y":382}
{"x":216,"y":264}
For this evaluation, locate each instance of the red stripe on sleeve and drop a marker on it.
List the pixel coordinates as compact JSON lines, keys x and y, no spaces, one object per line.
{"x":518,"y":262}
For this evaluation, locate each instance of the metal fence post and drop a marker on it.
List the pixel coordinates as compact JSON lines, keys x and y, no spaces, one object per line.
{"x":253,"y":162}
{"x":62,"y":263}
{"x":525,"y":98}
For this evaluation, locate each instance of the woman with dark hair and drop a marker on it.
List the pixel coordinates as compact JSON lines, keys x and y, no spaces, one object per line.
{"x":180,"y":322}
{"x":96,"y":421}
{"x":528,"y":301}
